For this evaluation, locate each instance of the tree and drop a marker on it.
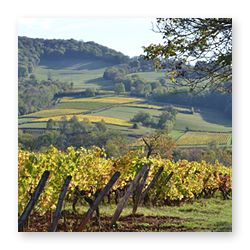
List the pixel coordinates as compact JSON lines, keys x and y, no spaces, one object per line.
{"x":159,"y":142}
{"x":213,"y":145}
{"x":155,"y":85}
{"x":102,"y":127}
{"x":90,"y":92}
{"x":128,"y":84}
{"x":142,"y":116}
{"x":75,"y":126}
{"x":118,"y":88}
{"x":172,"y":110}
{"x":135,"y":64}
{"x":63,"y":124}
{"x":205,"y":41}
{"x":33,"y":76}
{"x":22,"y":71}
{"x":164,"y":117}
{"x":50,"y":124}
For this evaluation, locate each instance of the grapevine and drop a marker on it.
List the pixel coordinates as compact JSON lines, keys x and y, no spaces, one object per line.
{"x":91,"y":170}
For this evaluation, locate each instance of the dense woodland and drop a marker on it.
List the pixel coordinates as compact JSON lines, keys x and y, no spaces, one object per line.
{"x":34,"y":95}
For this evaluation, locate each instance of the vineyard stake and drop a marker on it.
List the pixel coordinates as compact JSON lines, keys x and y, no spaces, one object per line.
{"x":138,"y":193}
{"x":152,"y":183}
{"x":126,"y":196}
{"x":98,"y":200}
{"x":168,"y":178}
{"x":166,"y":181}
{"x":33,"y":199}
{"x":59,"y":204}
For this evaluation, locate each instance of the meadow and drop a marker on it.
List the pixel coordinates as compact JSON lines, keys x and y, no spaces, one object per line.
{"x":207,"y":121}
{"x":82,"y":72}
{"x":90,"y":106}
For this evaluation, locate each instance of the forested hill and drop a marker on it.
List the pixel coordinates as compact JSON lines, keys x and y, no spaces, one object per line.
{"x":32,"y":50}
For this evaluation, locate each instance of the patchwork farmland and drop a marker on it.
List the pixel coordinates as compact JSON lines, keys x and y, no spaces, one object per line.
{"x":117,"y":110}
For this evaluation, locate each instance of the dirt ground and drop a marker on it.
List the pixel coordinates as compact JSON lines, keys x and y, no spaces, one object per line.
{"x":131,"y":223}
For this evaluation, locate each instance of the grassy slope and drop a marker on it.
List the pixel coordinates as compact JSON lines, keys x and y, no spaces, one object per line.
{"x":84,"y":73}
{"x":208,"y":121}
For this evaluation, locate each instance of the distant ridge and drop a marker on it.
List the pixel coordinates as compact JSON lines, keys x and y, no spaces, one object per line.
{"x":32,"y":50}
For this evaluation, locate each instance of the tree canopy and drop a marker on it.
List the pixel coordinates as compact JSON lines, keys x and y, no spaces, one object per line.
{"x":207,"y":42}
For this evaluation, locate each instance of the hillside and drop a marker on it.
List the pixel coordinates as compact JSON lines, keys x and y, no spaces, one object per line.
{"x":32,"y":51}
{"x":59,"y":73}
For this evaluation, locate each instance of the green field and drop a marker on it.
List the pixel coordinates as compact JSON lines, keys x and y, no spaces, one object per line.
{"x":25,"y":120}
{"x":207,"y":121}
{"x":84,"y":73}
{"x":83,"y":105}
{"x":125,"y":112}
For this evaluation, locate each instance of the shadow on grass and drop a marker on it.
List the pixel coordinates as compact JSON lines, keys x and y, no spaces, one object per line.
{"x":102,"y":83}
{"x":75,"y":64}
{"x":216,"y":117}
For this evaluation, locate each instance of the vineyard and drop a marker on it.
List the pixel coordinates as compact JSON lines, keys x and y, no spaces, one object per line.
{"x":203,"y":138}
{"x":91,"y":171}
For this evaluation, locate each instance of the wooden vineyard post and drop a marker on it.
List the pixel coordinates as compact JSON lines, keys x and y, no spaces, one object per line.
{"x":138,"y":193}
{"x":168,"y":178}
{"x":33,"y":200}
{"x":59,"y":204}
{"x":98,"y":200}
{"x":152,"y":183}
{"x":166,"y":181}
{"x":126,"y":196}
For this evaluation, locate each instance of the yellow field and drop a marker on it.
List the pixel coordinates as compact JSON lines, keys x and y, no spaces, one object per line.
{"x":203,"y":138}
{"x":112,"y":99}
{"x":55,"y":112}
{"x":153,"y":107}
{"x":107,"y":120}
{"x":144,"y":106}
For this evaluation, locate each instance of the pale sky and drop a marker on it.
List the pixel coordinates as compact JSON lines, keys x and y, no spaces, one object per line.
{"x":126,"y":35}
